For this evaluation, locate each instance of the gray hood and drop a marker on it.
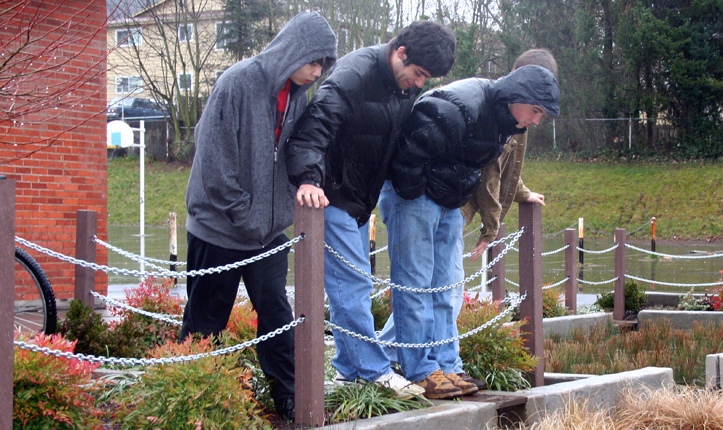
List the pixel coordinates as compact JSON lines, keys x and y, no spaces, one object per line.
{"x":239,"y":196}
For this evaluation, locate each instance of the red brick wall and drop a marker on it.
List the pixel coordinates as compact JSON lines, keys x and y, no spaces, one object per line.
{"x":57,"y":153}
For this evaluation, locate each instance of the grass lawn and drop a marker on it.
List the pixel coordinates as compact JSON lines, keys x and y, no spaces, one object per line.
{"x":686,"y":198}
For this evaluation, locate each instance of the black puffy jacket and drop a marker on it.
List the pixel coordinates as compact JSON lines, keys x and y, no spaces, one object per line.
{"x":346,"y":137}
{"x":456,"y":129}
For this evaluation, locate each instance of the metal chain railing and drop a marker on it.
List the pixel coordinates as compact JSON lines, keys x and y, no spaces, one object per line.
{"x":561,"y":231}
{"x":556,"y":284}
{"x":587,"y":251}
{"x":382,"y":249}
{"x":689,"y":257}
{"x":672,"y":284}
{"x":498,"y":317}
{"x":639,"y":228}
{"x":489,"y":281}
{"x":171,"y":319}
{"x":125,"y":362}
{"x":582,"y":281}
{"x":136,"y":257}
{"x":545,"y":254}
{"x":162,"y":273}
{"x":387,"y":282}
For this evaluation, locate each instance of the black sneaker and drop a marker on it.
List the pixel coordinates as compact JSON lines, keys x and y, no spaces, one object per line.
{"x":286,"y":410}
{"x":481,"y":385}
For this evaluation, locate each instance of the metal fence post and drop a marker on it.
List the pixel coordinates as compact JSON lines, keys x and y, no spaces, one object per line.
{"x":619,"y":309}
{"x":7,"y":290}
{"x":531,"y":284}
{"x":86,"y":224}
{"x":309,"y":302}
{"x":571,"y":271}
{"x":498,"y":270}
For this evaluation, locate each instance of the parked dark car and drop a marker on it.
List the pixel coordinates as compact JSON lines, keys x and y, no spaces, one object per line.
{"x":133,"y":107}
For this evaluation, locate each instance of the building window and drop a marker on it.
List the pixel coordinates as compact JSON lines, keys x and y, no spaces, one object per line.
{"x":185,"y":82}
{"x":224,"y":30}
{"x":129,"y":37}
{"x":185,"y":33}
{"x":128,"y":84}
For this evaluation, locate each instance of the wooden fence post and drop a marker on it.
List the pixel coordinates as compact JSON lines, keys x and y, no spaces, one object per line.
{"x":530,"y":245}
{"x":619,"y":309}
{"x":498,"y":270}
{"x":86,"y":225}
{"x":7,"y":290}
{"x":309,"y":302}
{"x":571,"y":271}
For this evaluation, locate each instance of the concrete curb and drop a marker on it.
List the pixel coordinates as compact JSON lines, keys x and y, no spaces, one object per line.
{"x":602,"y":392}
{"x":446,"y":415}
{"x":564,"y":325}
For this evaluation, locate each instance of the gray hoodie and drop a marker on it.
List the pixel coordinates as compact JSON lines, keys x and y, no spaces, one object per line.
{"x":239,"y":195}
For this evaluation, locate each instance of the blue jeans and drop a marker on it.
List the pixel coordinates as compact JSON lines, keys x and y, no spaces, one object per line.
{"x":457,"y":294}
{"x":350,"y":297}
{"x":424,"y":252}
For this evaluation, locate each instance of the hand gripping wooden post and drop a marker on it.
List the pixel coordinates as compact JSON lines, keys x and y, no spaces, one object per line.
{"x":498,"y":270}
{"x":571,"y":271}
{"x":85,"y":250}
{"x":7,"y":291}
{"x":531,"y":284}
{"x":619,"y":306}
{"x":309,"y":302}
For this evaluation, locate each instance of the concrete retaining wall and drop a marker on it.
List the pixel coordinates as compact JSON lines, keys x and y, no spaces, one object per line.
{"x":447,"y":415}
{"x":601,"y":392}
{"x":682,"y":320}
{"x":563,"y":325}
{"x":713,"y":370}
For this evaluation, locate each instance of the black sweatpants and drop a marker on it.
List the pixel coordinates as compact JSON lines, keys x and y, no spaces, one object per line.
{"x":211,"y":299}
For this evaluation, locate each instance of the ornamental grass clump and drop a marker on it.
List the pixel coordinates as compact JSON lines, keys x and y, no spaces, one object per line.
{"x":497,"y":353}
{"x":51,"y":392}
{"x":359,"y":401}
{"x":604,"y":349}
{"x":206,"y":393}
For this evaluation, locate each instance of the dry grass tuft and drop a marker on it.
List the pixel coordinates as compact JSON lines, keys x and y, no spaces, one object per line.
{"x":681,"y":408}
{"x":684,"y":408}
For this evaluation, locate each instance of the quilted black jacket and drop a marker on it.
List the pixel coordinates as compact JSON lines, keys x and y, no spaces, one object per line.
{"x":344,"y":140}
{"x":456,"y":129}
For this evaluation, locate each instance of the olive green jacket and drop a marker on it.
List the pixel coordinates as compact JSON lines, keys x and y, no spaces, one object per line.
{"x":501,"y":186}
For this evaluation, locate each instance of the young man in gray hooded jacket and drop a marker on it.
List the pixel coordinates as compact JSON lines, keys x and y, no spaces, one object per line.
{"x":239,"y":198}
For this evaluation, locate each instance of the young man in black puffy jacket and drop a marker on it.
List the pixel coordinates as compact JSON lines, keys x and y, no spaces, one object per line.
{"x":452,"y":132}
{"x":338,"y":155}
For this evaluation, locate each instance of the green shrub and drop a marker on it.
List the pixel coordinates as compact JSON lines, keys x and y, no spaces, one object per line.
{"x":51,"y":392}
{"x":495,"y":354}
{"x":552,"y":303}
{"x":381,"y":310}
{"x":95,"y":337}
{"x":691,"y":303}
{"x":207,"y":393}
{"x":634,"y":298}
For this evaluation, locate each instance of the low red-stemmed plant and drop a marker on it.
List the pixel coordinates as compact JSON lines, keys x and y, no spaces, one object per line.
{"x":152,"y":295}
{"x":243,"y":322}
{"x":52,"y":392}
{"x":206,"y":393}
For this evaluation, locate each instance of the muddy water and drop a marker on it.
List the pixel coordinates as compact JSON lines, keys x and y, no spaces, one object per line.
{"x":597,"y":268}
